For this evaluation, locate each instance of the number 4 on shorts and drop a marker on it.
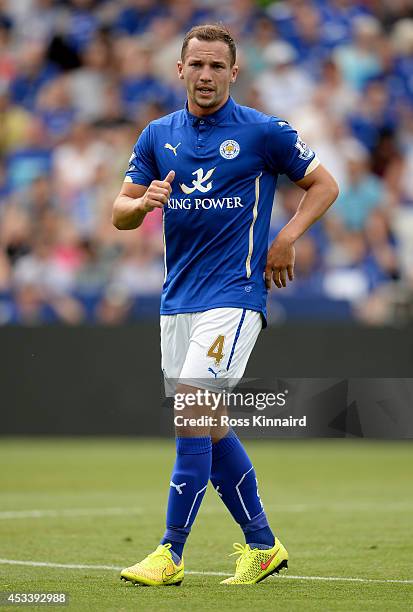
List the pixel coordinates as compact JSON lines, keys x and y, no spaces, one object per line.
{"x":216,"y":350}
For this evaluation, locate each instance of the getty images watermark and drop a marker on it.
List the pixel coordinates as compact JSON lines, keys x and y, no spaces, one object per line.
{"x":214,"y":401}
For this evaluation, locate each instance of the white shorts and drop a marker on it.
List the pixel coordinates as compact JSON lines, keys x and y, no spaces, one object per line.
{"x":208,"y":350}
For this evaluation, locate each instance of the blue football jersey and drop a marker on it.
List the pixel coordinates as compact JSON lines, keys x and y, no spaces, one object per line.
{"x":217,"y":219}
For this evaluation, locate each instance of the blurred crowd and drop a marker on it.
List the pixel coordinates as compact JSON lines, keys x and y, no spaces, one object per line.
{"x":80,"y":79}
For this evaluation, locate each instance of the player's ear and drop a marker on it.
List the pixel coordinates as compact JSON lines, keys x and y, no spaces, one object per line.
{"x":180,"y":69}
{"x":234,"y":73}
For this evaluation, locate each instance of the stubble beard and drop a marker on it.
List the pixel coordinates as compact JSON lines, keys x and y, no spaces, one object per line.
{"x":206,"y":103}
{"x":201,"y":103}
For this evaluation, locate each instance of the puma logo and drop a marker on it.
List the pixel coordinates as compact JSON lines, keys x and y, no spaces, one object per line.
{"x":178,"y":487}
{"x":171,"y":148}
{"x":215,"y":373}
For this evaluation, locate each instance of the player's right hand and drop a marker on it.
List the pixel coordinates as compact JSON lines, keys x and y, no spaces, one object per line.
{"x":157,"y":194}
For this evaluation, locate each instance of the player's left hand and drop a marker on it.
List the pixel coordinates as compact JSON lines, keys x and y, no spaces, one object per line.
{"x":280,"y":262}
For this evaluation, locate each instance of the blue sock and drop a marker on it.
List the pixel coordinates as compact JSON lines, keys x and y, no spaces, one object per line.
{"x":188,"y":484}
{"x":233,"y":477}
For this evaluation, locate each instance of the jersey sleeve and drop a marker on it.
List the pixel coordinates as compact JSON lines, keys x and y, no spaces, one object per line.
{"x":142,"y":166}
{"x":286,"y":153}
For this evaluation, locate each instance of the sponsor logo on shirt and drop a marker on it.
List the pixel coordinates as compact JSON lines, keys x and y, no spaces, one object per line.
{"x":205,"y":203}
{"x":229,"y":149}
{"x":198,"y":183}
{"x":203,"y":184}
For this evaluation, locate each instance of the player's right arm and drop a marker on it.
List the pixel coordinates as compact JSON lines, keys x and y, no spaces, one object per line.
{"x":135,"y":201}
{"x":141,"y":191}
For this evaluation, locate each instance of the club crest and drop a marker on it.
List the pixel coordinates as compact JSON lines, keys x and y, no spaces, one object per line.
{"x":229,"y":149}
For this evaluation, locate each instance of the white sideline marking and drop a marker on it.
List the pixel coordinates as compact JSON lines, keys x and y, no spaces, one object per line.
{"x":331,"y":507}
{"x":117,"y":568}
{"x":86,"y":566}
{"x":22,"y":514}
{"x":57,"y":565}
{"x":337,"y":507}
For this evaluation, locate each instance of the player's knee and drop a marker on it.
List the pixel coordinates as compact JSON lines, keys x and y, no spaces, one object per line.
{"x":192,"y":414}
{"x":190,"y":425}
{"x":190,"y":432}
{"x":191,"y":421}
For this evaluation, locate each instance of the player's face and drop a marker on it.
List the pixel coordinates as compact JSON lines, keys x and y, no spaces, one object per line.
{"x":207,"y":73}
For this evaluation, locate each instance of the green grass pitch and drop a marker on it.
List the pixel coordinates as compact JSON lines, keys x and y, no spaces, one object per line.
{"x":343,"y":508}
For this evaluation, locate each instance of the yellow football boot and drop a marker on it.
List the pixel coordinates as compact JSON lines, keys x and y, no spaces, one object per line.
{"x":253,"y":565}
{"x":157,"y":569}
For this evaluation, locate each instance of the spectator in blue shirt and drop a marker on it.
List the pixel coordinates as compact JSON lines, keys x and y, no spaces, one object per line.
{"x":362,"y":193}
{"x":31,"y":160}
{"x":137,"y":16}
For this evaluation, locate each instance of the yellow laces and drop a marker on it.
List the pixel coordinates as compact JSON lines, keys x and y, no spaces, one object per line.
{"x":241,"y":550}
{"x":160,"y":552}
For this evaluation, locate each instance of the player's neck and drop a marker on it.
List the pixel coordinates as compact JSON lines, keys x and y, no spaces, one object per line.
{"x":198,"y":111}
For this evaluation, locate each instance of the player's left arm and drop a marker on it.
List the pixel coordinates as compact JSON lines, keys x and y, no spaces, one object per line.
{"x":321,"y":190}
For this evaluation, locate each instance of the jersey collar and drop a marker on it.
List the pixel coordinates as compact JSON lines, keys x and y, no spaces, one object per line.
{"x":214,"y":118}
